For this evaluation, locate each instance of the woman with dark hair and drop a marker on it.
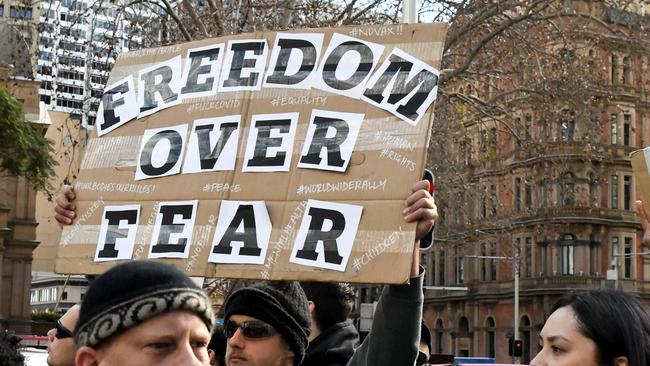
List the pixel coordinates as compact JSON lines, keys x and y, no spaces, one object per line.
{"x":595,"y":328}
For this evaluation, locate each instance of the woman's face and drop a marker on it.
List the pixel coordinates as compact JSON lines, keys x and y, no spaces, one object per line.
{"x":562,"y":344}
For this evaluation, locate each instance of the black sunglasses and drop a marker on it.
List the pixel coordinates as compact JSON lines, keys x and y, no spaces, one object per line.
{"x":61,"y":332}
{"x":250,"y":329}
{"x":422,"y":360}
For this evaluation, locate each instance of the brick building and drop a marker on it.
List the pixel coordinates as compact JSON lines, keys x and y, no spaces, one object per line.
{"x":542,"y":176}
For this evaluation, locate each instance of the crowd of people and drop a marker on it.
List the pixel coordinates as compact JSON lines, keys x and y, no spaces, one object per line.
{"x":150,"y":313}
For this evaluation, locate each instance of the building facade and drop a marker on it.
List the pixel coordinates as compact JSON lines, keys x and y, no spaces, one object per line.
{"x":77,"y":47}
{"x":51,"y":292}
{"x":544,"y":184}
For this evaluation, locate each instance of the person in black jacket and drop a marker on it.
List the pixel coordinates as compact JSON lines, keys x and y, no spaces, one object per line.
{"x":333,"y":337}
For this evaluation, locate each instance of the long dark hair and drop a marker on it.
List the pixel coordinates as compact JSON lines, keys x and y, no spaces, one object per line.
{"x":615,"y":321}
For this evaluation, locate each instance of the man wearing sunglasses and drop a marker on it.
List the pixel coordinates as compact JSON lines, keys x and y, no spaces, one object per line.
{"x":60,"y":347}
{"x":268,"y":323}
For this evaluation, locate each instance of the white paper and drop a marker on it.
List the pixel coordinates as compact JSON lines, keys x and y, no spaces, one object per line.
{"x":228,"y":155}
{"x":347,"y":66}
{"x":345,"y":241}
{"x":125,"y":112}
{"x":418,"y":66}
{"x":263,"y":229}
{"x":175,"y":85}
{"x":174,"y":238}
{"x":124,"y":246}
{"x":295,"y":60}
{"x":215,"y":70}
{"x":258,"y":68}
{"x":161,"y":152}
{"x":353,"y":120}
{"x":286,"y":146}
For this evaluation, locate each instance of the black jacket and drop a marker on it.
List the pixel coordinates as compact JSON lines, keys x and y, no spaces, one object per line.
{"x":333,"y":347}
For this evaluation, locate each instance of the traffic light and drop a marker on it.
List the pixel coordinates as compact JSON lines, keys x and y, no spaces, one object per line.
{"x":515,"y":347}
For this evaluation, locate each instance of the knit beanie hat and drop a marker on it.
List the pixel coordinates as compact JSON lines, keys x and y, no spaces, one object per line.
{"x":281,"y":304}
{"x":133,"y":292}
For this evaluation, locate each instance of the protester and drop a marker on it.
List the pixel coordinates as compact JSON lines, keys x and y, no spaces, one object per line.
{"x":217,"y":346}
{"x":256,"y":337}
{"x":595,"y":328}
{"x":9,"y":354}
{"x":425,"y":346}
{"x":333,"y":336}
{"x":61,"y":350}
{"x":144,"y":313}
{"x":267,"y":323}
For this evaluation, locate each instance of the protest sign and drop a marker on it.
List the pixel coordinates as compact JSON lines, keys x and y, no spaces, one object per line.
{"x":283,"y":155}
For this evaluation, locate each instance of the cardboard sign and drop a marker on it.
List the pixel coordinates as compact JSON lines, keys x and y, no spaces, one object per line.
{"x":271,"y":155}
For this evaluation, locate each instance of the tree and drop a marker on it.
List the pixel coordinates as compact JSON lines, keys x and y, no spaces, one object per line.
{"x":24,"y":151}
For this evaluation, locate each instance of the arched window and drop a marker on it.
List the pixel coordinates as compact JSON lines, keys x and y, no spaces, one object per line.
{"x":490,"y":337}
{"x":439,"y":334}
{"x":463,"y":327}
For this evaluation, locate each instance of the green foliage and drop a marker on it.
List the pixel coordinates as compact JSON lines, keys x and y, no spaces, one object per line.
{"x":44,"y":315}
{"x":24,"y":151}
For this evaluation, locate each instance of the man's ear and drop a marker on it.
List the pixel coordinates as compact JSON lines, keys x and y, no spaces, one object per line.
{"x":621,"y":361}
{"x":212,"y":356}
{"x":86,"y":356}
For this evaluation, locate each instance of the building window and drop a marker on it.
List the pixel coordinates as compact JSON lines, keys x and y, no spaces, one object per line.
{"x":613,"y":118}
{"x":528,"y":257}
{"x":614,"y":252}
{"x":628,"y":259}
{"x":567,"y":125}
{"x":529,"y":126}
{"x":493,"y":141}
{"x":2,"y":10}
{"x":567,"y":194}
{"x":567,"y":254}
{"x":20,"y":12}
{"x":517,"y":194}
{"x":626,"y":70}
{"x":439,"y":334}
{"x":614,"y":69}
{"x":34,"y":296}
{"x":460,"y":266}
{"x":614,"y":191}
{"x":529,"y":196}
{"x":627,"y":192}
{"x":490,"y":337}
{"x":627,"y":129}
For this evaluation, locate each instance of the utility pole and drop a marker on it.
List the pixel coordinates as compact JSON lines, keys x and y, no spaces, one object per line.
{"x":410,"y":11}
{"x":515,"y":275}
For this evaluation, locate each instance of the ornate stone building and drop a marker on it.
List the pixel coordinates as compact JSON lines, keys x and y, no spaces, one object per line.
{"x":17,"y":222}
{"x":546,"y":179}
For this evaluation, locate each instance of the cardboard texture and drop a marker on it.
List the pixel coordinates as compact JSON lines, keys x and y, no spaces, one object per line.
{"x":331,"y":192}
{"x":641,"y":166}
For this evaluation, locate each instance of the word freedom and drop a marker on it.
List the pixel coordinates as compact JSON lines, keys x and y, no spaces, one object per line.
{"x":402,"y":85}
